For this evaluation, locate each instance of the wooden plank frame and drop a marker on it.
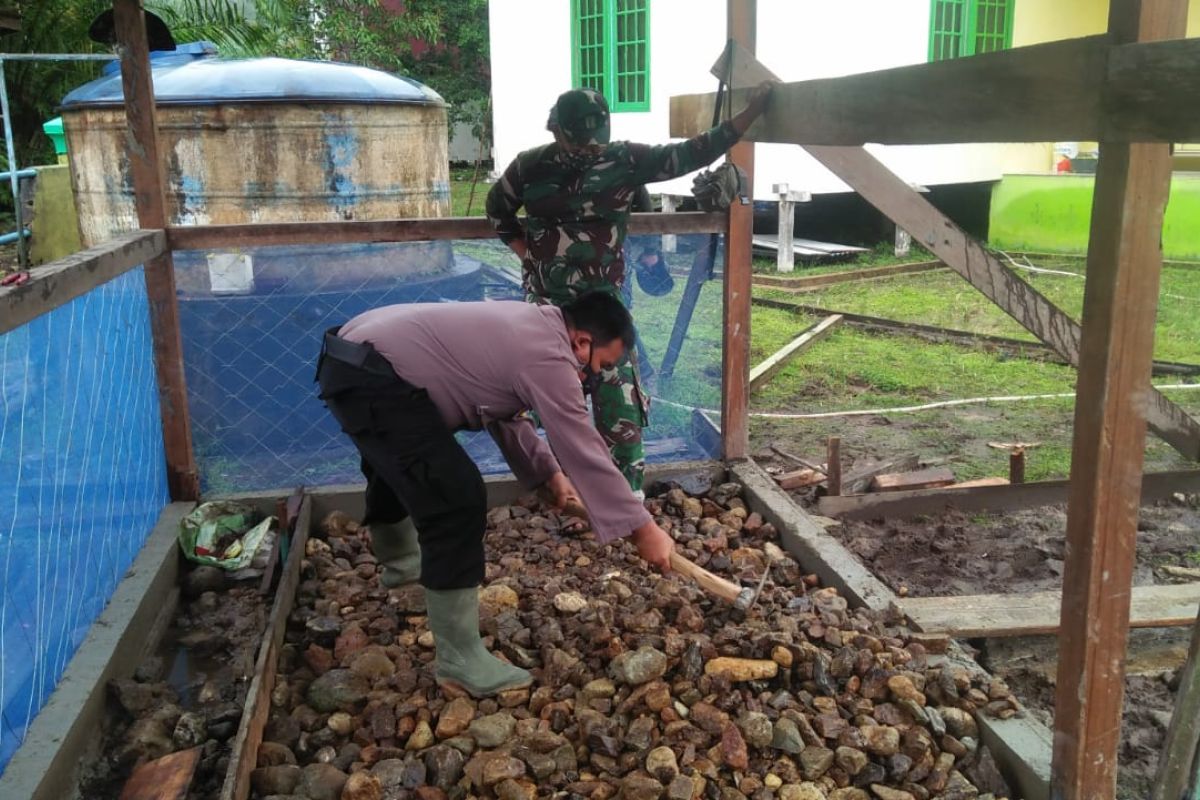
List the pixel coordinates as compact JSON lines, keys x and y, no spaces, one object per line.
{"x":217,"y":237}
{"x":59,"y":282}
{"x":778,"y":360}
{"x":183,"y":479}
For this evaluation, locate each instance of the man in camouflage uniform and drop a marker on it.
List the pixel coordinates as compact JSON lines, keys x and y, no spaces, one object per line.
{"x":577,"y":192}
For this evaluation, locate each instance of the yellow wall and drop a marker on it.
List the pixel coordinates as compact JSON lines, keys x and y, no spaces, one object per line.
{"x":1048,"y":20}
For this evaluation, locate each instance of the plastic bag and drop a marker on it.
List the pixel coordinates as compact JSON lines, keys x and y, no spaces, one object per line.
{"x":223,"y":534}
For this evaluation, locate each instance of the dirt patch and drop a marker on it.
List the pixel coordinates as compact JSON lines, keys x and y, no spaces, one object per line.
{"x":1149,"y":701}
{"x":957,"y":554}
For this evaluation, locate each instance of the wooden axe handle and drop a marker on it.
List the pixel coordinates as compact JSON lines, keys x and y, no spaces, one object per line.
{"x":705,"y":579}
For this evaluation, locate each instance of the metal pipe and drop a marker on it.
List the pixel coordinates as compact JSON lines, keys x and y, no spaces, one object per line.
{"x":57,"y":57}
{"x":21,"y":173}
{"x":13,"y":181}
{"x":12,"y":236}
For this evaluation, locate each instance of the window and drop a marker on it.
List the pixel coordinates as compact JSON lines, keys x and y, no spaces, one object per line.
{"x":610,"y":50}
{"x":968,"y":27}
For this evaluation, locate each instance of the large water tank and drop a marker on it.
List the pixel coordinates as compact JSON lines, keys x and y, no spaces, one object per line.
{"x":264,"y":140}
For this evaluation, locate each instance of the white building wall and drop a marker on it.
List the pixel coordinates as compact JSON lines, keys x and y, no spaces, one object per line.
{"x":797,"y":39}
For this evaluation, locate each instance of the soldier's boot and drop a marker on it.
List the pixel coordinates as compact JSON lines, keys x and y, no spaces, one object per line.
{"x":395,"y":547}
{"x":461,"y":660}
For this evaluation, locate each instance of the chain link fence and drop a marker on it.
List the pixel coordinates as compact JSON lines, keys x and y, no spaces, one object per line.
{"x":252,"y":323}
{"x":82,"y":482}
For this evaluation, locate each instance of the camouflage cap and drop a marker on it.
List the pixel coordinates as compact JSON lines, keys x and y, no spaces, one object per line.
{"x":581,"y":115}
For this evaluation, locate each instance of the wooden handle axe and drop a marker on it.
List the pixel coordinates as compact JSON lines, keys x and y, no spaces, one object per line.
{"x":742,"y":597}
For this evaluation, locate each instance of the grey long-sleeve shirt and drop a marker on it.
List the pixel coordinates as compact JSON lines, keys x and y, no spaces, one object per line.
{"x":483,"y":364}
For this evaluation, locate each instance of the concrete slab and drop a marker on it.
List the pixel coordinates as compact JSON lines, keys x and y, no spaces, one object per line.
{"x":46,"y":767}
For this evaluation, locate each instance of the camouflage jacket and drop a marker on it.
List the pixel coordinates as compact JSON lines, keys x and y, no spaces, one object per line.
{"x":578,"y":206}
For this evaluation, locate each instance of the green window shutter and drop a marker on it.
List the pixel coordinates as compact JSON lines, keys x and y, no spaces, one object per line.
{"x":610,"y":51}
{"x":966,"y":27}
{"x":629,"y":87}
{"x":589,"y":39}
{"x":947,"y":23}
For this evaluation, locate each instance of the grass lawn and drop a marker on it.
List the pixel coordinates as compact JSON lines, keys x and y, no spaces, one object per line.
{"x":850,"y":369}
{"x":461,"y":202}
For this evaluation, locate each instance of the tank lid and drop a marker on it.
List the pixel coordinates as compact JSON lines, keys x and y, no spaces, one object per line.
{"x":187,"y":80}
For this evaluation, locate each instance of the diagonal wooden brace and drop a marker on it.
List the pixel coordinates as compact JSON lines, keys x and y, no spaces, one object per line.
{"x":906,"y":207}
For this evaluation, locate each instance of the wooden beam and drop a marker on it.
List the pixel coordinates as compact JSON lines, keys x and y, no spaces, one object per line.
{"x":217,"y":237}
{"x":811,"y":282}
{"x":999,"y":615}
{"x":966,"y":256}
{"x":1183,"y":734}
{"x":1022,"y":347}
{"x":1046,"y":92}
{"x":1119,"y":310}
{"x":1073,"y":90}
{"x":930,"y":478}
{"x":1151,"y":92}
{"x":742,"y":22}
{"x":183,"y":480}
{"x":777,"y":361}
{"x":244,"y":757}
{"x":898,"y":505}
{"x":59,"y":282}
{"x":166,"y":778}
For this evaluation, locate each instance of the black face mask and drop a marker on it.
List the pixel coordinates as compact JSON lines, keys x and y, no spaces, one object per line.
{"x":579,"y":161}
{"x":591,"y":378}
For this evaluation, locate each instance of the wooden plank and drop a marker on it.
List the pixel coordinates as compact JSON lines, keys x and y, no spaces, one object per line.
{"x":966,"y":256}
{"x":1021,"y":347}
{"x":859,"y":480}
{"x":800,"y":478}
{"x":218,"y":237}
{"x":1183,"y":734}
{"x":996,"y":481}
{"x":998,"y":615}
{"x":809,"y":282}
{"x":770,"y":368}
{"x":742,"y":21}
{"x":898,"y":505}
{"x":921,"y":479}
{"x":183,"y":479}
{"x":258,"y":698}
{"x":833,"y":465}
{"x":59,"y":282}
{"x":166,"y":778}
{"x":1151,"y":92}
{"x":1045,"y":92}
{"x":1120,"y":303}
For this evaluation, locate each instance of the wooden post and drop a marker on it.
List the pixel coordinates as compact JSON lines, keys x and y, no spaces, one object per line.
{"x":1183,"y":734}
{"x":1120,"y":300}
{"x":833,"y":466}
{"x":149,"y":198}
{"x":1016,"y":465}
{"x":742,"y":16}
{"x":669,"y":242}
{"x":786,"y":261}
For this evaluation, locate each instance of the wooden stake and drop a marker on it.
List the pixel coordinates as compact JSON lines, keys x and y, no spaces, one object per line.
{"x":735,"y":384}
{"x":145,"y":168}
{"x":1120,"y":302}
{"x":1016,"y":465}
{"x":786,"y":257}
{"x":833,"y":466}
{"x":1183,"y":734}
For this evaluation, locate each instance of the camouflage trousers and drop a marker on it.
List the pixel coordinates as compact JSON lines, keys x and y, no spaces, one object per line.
{"x":619,"y":405}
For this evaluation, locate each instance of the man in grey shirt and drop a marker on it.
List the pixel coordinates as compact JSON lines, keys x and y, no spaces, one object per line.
{"x":401,"y":379}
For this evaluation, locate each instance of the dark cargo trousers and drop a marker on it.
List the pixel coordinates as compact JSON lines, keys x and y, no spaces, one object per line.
{"x":411,"y":460}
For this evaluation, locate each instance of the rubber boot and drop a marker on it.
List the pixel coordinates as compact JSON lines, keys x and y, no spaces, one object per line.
{"x":395,"y":546}
{"x":461,"y":659}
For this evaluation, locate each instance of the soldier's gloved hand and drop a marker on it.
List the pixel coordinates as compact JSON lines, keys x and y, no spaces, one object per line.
{"x":654,"y":545}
